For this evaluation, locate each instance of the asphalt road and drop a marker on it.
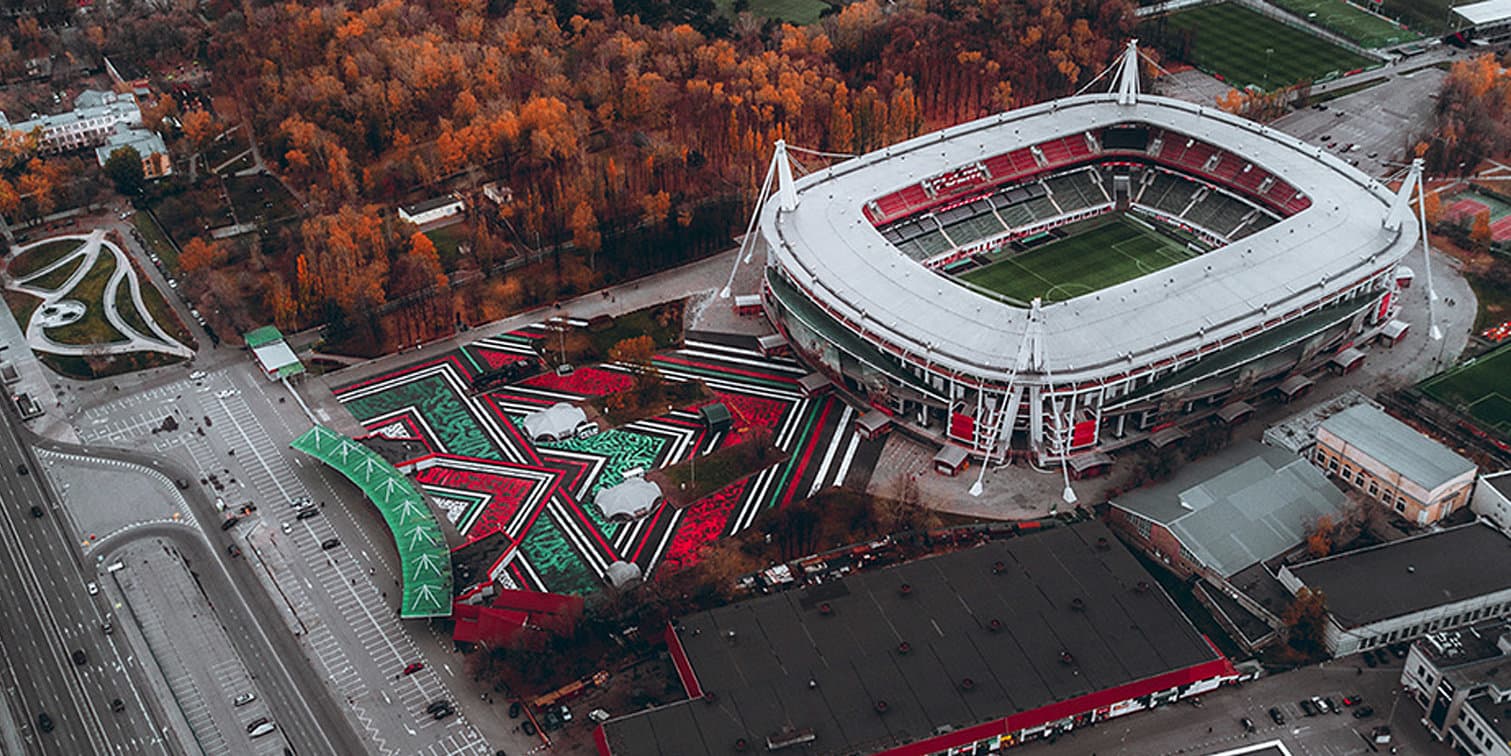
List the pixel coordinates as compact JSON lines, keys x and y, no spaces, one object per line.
{"x":49,"y":615}
{"x":291,"y":687}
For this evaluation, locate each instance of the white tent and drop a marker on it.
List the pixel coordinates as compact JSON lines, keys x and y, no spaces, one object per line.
{"x":557,"y":422}
{"x":630,"y":500}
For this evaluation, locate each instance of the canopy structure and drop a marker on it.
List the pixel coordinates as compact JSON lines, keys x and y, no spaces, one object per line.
{"x":273,"y":353}
{"x":554,"y":423}
{"x":422,"y":548}
{"x":630,"y":500}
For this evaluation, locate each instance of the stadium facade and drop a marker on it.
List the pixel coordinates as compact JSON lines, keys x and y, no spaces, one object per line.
{"x":1293,"y":254}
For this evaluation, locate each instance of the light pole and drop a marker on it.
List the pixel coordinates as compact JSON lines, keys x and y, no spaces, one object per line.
{"x":1269,"y":52}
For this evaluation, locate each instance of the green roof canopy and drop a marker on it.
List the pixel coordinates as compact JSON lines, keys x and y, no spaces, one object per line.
{"x":260,"y":336}
{"x":422,"y":548}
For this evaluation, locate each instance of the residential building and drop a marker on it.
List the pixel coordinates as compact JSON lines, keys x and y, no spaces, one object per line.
{"x":966,"y":652}
{"x":1462,"y":681}
{"x":1492,"y":499}
{"x":1414,"y":476}
{"x":92,"y":120}
{"x":1406,"y":589}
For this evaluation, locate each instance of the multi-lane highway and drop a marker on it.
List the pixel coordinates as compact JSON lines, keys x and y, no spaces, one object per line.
{"x":50,"y":615}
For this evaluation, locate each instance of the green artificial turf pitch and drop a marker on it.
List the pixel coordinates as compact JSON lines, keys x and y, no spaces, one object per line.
{"x":1481,"y":390}
{"x":1232,"y":41}
{"x":1104,"y":255}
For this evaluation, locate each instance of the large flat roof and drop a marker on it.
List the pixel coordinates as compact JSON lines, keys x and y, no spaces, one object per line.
{"x":760,"y":676}
{"x":829,"y":247}
{"x":1407,"y":576}
{"x":1397,"y":445}
{"x":1243,"y":505}
{"x":1487,"y":12}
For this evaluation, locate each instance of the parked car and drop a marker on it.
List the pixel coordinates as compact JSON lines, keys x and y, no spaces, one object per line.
{"x":229,"y":522}
{"x":1369,"y":659}
{"x":1331,"y":705}
{"x":263,"y":729}
{"x":330,"y":543}
{"x":256,"y":723}
{"x":1277,"y":716}
{"x":233,"y":550}
{"x":1352,"y":700}
{"x":1363,"y":712}
{"x":306,"y":513}
{"x":94,"y":590}
{"x":287,"y":528}
{"x":1308,"y":708}
{"x":413,"y":667}
{"x":514,"y":710}
{"x":244,"y":699}
{"x":1248,"y":724}
{"x":443,"y":713}
{"x":437,"y":705}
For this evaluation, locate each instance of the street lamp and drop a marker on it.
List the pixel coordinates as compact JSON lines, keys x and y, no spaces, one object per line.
{"x":1269,"y":52}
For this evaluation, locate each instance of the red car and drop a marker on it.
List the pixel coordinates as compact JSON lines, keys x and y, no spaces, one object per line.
{"x":414,"y":667}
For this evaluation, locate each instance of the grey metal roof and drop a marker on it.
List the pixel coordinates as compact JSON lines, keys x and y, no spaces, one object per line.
{"x":828,"y":247}
{"x":1411,"y":575}
{"x":434,"y":203}
{"x":758,"y":656}
{"x":1487,"y":12}
{"x":1397,"y":446}
{"x":1242,"y":505}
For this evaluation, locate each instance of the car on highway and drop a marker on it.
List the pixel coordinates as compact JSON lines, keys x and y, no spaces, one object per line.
{"x":79,"y":657}
{"x":1276,"y":716}
{"x":36,"y":511}
{"x":107,"y":626}
{"x":94,"y":590}
{"x":44,"y":722}
{"x":21,"y":470}
{"x":229,"y":522}
{"x":306,"y":513}
{"x":265,"y":728}
{"x":117,"y":705}
{"x":413,"y":667}
{"x":330,"y":543}
{"x":244,"y":699}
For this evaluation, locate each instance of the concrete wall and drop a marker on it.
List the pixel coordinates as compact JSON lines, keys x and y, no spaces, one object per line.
{"x":1492,"y":504}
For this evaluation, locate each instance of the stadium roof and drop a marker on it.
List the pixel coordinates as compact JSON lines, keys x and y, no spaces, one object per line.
{"x":1411,"y":575}
{"x":758,"y":657}
{"x":422,"y":548}
{"x":1243,"y":505}
{"x":1486,"y":13}
{"x":830,"y":248}
{"x":1397,"y":446}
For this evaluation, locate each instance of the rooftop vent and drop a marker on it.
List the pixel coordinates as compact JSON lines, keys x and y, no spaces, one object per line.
{"x":1142,"y":587}
{"x":904,"y":647}
{"x":1066,"y":658}
{"x":994,"y":625}
{"x":1103,"y":544}
{"x":881,"y":707}
{"x":825,"y":609}
{"x":967,"y":684}
{"x":999,"y":567}
{"x":905,"y":588}
{"x":1078,"y":604}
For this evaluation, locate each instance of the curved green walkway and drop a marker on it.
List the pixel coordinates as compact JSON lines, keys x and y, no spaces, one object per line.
{"x":422,"y":548}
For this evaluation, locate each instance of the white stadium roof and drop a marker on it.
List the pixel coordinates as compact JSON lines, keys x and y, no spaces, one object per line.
{"x":832,"y":250}
{"x":1487,"y":12}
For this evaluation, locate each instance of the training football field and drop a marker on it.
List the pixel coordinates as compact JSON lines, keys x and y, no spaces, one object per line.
{"x":1105,"y":255}
{"x":1481,"y":390}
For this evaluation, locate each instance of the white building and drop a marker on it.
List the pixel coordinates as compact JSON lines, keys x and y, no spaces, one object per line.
{"x":432,"y":210}
{"x":1492,"y":499}
{"x":1462,"y":681}
{"x":93,"y":118}
{"x":1406,"y":589}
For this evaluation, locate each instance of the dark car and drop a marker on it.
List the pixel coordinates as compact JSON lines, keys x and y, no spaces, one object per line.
{"x":1331,"y":705}
{"x":437,"y":705}
{"x":117,"y":705}
{"x":443,"y":713}
{"x":1369,"y":658}
{"x":229,"y":522}
{"x":233,"y":550}
{"x":79,"y":657}
{"x":1308,"y":708}
{"x":44,"y":722}
{"x":330,"y":543}
{"x":1363,"y":712}
{"x":36,"y":511}
{"x":21,"y":470}
{"x":306,"y":513}
{"x":1248,"y":724}
{"x":514,"y":710}
{"x":1277,"y":716}
{"x":256,"y":723}
{"x":413,"y":667}
{"x":527,"y":727}
{"x":1353,"y":700}
{"x":183,"y":485}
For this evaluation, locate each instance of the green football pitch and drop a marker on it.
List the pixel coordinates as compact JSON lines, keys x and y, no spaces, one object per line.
{"x":1104,"y":255}
{"x":1247,"y":48}
{"x":1481,"y":390}
{"x":1351,"y":21}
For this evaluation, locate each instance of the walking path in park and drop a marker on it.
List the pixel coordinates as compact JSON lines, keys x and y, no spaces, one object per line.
{"x":55,"y":301}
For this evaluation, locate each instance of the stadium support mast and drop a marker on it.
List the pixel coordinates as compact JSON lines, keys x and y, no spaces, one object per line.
{"x":780,"y":170}
{"x":1030,"y":358}
{"x":1127,"y":76}
{"x":1399,"y":207}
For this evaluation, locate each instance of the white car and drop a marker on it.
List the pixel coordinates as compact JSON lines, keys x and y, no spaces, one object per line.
{"x":262,"y":729}
{"x":227,"y":394}
{"x":244,"y":699}
{"x":287,"y":528}
{"x":94,"y":590}
{"x":197,"y":375}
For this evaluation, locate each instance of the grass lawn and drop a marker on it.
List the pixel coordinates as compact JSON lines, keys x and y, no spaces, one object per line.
{"x":156,"y":241}
{"x":21,"y":306}
{"x":58,"y":276}
{"x":1481,"y":390}
{"x":1105,"y":255}
{"x":1494,"y":302}
{"x":646,"y":322}
{"x":41,"y":256}
{"x":78,"y":367}
{"x":127,"y":308}
{"x":165,"y":315}
{"x":688,"y":482}
{"x":447,"y":243}
{"x":1232,"y":41}
{"x":1350,"y":21}
{"x":800,"y":12}
{"x":93,"y":328}
{"x":225,"y":148}
{"x":1430,"y":17}
{"x":259,"y":198}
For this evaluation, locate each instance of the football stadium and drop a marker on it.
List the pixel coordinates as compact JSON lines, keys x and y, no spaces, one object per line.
{"x":1081,"y":275}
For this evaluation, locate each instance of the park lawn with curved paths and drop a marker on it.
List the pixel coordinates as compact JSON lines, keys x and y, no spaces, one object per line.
{"x":41,"y":256}
{"x":21,"y":305}
{"x":58,"y":276}
{"x":127,"y":308}
{"x":160,"y":311}
{"x":93,"y":328}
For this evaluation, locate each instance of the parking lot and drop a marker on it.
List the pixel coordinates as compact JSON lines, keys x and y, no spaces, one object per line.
{"x":1376,"y":126}
{"x":1216,"y":725}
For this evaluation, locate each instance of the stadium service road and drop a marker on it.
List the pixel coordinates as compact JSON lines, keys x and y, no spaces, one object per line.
{"x":1377,"y":120}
